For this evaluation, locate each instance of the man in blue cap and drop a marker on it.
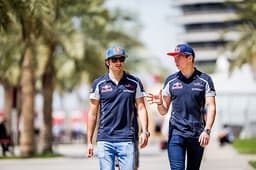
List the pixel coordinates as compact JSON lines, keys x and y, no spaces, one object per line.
{"x":188,"y":91}
{"x":117,"y":95}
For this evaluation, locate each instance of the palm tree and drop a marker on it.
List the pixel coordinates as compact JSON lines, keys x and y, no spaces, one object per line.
{"x":31,"y":17}
{"x":57,"y":39}
{"x":244,"y":49}
{"x":49,"y":41}
{"x":10,"y":56}
{"x":9,"y":73}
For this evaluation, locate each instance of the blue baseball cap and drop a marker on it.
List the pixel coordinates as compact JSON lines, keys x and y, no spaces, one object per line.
{"x":182,"y":49}
{"x":115,"y":51}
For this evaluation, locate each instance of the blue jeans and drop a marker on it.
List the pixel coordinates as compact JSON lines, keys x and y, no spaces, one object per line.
{"x":124,"y":151}
{"x":178,"y":147}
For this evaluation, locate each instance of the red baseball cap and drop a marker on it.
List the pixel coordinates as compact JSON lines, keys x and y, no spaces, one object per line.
{"x":182,"y":49}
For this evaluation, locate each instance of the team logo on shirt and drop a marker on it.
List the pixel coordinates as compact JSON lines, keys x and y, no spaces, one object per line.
{"x":198,"y":84}
{"x":129,"y":88}
{"x":197,"y":89}
{"x":129,"y":91}
{"x":177,"y":85}
{"x":106,"y":88}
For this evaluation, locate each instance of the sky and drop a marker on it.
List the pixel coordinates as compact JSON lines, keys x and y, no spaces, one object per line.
{"x":160,"y":30}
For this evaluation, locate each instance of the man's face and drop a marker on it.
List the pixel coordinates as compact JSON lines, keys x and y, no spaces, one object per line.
{"x":116,"y":63}
{"x":182,"y":61}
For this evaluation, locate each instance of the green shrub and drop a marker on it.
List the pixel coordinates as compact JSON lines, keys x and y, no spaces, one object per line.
{"x":245,"y":146}
{"x":253,"y":164}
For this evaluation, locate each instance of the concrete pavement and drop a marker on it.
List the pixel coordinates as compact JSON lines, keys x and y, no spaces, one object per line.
{"x":225,"y":158}
{"x":152,"y":158}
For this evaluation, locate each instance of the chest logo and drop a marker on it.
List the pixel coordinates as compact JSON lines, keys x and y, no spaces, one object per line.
{"x":177,"y":85}
{"x":198,"y":84}
{"x":129,"y":91}
{"x":129,"y":86}
{"x":106,"y":88}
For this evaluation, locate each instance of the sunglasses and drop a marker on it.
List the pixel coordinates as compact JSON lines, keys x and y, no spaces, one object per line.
{"x":115,"y":59}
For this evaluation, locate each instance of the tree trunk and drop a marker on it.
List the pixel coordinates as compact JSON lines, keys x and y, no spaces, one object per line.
{"x":27,"y":139}
{"x":48,"y":88}
{"x":8,"y":103}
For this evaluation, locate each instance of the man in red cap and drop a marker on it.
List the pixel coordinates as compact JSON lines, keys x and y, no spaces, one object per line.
{"x":189,"y":92}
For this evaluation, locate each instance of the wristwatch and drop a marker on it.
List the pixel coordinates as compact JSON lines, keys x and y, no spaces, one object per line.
{"x":208,"y":131}
{"x":147,"y":133}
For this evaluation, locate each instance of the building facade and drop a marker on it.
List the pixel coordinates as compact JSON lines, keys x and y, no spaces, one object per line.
{"x":205,"y":24}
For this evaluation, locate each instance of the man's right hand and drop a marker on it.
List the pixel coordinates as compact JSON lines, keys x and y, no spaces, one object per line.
{"x":89,"y":150}
{"x":155,"y":98}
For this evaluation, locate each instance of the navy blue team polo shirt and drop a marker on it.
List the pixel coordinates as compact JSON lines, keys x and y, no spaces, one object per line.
{"x":117,"y":107}
{"x":188,"y":102}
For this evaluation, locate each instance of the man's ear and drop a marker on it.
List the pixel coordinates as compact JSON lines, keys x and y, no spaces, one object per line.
{"x":107,"y":62}
{"x":191,"y":57}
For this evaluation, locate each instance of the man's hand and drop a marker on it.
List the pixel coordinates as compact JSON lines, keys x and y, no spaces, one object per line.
{"x":89,"y":150}
{"x":143,"y":140}
{"x":155,"y":98}
{"x":204,"y":139}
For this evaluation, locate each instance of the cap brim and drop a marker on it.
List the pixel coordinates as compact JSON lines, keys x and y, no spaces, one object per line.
{"x":117,"y":55}
{"x":173,"y":53}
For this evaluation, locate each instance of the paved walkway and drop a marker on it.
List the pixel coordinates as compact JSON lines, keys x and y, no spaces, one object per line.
{"x":152,"y":158}
{"x":225,"y":158}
